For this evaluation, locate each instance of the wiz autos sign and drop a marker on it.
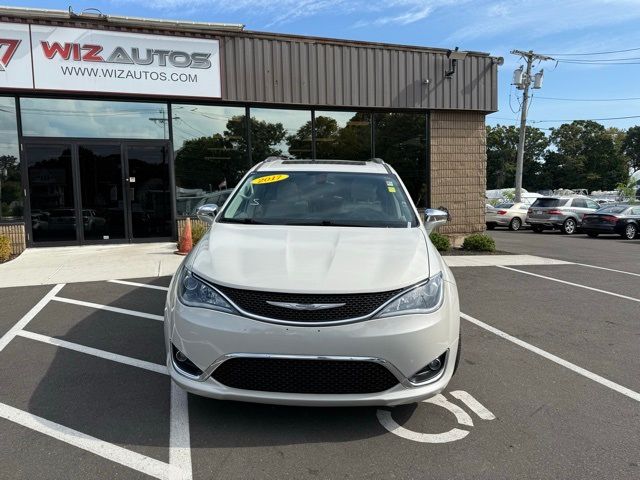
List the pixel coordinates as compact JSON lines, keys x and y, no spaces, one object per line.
{"x":103,"y":61}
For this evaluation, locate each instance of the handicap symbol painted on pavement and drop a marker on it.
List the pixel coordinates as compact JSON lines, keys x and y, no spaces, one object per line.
{"x":462,"y":417}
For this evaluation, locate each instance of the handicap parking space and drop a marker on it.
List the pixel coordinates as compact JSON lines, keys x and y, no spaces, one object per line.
{"x":94,"y":368}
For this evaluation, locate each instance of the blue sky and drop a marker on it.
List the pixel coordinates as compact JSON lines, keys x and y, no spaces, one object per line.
{"x":560,"y":26}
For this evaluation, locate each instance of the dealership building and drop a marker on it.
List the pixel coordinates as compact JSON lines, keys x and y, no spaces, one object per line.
{"x":114,"y":129}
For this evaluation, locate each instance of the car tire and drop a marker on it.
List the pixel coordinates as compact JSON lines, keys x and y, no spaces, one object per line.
{"x":569,"y":226}
{"x":515,"y":224}
{"x":630,"y":231}
{"x":491,"y":226}
{"x":537,"y":228}
{"x":455,"y":365}
{"x":593,"y":234}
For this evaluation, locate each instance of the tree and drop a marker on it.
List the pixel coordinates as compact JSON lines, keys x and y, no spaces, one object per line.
{"x":502,"y":148}
{"x":10,"y":187}
{"x":585,"y":155}
{"x":631,"y":147}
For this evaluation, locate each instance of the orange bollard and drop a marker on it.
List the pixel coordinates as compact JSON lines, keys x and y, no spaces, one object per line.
{"x":185,"y":243}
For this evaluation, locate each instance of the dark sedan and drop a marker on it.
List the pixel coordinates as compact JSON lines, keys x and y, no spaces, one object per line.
{"x":621,"y":219}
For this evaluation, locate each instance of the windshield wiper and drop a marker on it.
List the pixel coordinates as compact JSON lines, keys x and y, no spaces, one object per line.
{"x":329,"y":223}
{"x":248,"y":221}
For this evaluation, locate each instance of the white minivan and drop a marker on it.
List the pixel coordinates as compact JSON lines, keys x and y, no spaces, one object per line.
{"x":316,"y":284}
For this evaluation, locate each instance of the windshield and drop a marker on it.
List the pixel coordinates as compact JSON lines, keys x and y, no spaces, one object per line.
{"x":549,"y":202}
{"x":320,"y":198}
{"x":613,"y":209}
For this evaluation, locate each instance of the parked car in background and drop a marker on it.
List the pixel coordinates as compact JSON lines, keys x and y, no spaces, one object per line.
{"x":215,"y":198}
{"x":621,"y":219}
{"x":564,"y":213}
{"x":508,"y":214}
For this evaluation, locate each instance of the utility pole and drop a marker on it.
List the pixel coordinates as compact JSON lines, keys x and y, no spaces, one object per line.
{"x":522,"y":81}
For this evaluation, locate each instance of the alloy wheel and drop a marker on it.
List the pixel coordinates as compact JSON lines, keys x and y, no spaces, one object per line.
{"x":569,"y":226}
{"x":630,"y":232}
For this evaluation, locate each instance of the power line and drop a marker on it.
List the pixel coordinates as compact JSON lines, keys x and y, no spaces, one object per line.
{"x":590,"y":99}
{"x":586,"y":119}
{"x":592,"y":53}
{"x":594,"y":62}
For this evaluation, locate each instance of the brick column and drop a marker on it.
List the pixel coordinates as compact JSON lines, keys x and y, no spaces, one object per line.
{"x":458,"y":170}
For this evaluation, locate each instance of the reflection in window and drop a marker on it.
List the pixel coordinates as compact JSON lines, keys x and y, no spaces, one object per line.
{"x":400,"y":141}
{"x":280,"y":132}
{"x":343,"y":135}
{"x":210,"y":145}
{"x":11,"y":204}
{"x":45,"y":117}
{"x":53,"y":215}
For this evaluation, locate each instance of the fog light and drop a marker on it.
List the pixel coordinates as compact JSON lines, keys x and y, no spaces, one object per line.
{"x":183,"y":364}
{"x":435,"y":365}
{"x":429,"y":372}
{"x":181,"y":357}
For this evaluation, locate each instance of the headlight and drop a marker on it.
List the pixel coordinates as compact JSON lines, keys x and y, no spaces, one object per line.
{"x":195,"y":293}
{"x":426,"y":298}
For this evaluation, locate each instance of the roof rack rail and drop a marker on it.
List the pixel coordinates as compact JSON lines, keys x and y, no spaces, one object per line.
{"x":273,"y":158}
{"x":377,"y":160}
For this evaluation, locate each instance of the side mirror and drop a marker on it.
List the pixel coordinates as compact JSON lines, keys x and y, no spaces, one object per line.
{"x":434,"y":218}
{"x":207,"y":213}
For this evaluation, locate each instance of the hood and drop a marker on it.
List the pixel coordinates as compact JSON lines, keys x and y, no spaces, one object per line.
{"x":312,"y":259}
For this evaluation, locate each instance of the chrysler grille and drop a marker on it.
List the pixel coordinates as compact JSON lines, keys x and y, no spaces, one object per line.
{"x":356,"y":305}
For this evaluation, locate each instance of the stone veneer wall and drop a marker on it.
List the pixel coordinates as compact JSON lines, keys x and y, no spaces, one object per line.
{"x":458,"y":170}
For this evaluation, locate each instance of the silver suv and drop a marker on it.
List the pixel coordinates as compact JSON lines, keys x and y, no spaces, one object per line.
{"x":564,"y":213}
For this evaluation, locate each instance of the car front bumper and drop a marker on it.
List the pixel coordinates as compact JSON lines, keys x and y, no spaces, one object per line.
{"x":405,"y":344}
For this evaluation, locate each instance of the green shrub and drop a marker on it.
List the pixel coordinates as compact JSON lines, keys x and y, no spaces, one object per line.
{"x":439,"y":241}
{"x":5,"y":248}
{"x":198,"y":230}
{"x":479,"y":242}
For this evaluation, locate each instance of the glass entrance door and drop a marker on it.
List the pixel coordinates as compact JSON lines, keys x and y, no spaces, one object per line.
{"x":51,"y":193}
{"x":89,"y":191}
{"x":103,"y":203}
{"x":149,"y":190}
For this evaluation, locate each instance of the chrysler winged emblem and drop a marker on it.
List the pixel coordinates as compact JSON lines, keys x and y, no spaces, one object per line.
{"x":306,"y":306}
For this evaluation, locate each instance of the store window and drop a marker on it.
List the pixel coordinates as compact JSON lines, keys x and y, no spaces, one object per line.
{"x":11,"y":203}
{"x":400,"y":140}
{"x":210,"y":144}
{"x":280,"y":132}
{"x":46,"y":117}
{"x":343,"y":135}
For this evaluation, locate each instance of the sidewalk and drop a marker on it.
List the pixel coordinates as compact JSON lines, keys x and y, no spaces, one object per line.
{"x":41,"y":266}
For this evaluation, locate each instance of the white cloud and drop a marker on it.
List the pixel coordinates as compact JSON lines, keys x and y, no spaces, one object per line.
{"x":527,"y":19}
{"x":372,"y":12}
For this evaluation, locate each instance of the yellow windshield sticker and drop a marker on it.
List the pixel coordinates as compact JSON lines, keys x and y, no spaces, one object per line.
{"x":269,"y":179}
{"x":392,"y":189}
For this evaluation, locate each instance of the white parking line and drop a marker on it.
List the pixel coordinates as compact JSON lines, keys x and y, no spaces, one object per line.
{"x":141,"y":463}
{"x":633,"y":299}
{"x":7,"y":337}
{"x":608,"y":269}
{"x":549,"y":356}
{"x":136,"y":284}
{"x":114,"y":357}
{"x":135,"y":313}
{"x":179,"y":438}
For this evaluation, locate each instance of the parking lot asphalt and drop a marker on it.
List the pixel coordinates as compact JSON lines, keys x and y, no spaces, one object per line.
{"x":608,"y":251}
{"x":547,"y":388}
